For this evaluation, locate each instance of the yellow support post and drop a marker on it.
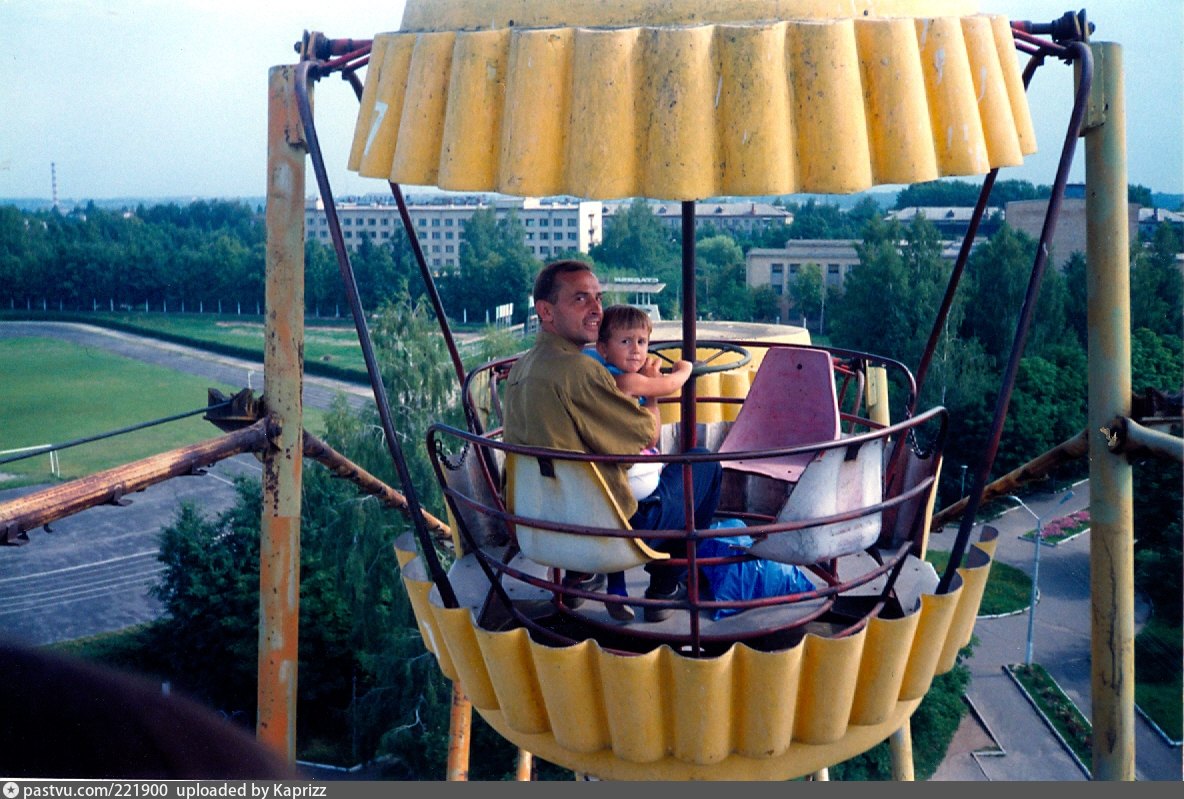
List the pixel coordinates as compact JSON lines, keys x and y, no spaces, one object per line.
{"x":283,"y":364}
{"x":900,"y":744}
{"x":1112,"y":579}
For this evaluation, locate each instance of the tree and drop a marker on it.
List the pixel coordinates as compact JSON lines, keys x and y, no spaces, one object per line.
{"x":636,"y":243}
{"x":806,"y":291}
{"x":890,"y":298}
{"x":721,"y":284}
{"x":496,"y":268}
{"x":1157,"y":285}
{"x":999,"y":271}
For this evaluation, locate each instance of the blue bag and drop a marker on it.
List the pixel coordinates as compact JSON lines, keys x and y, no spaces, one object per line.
{"x":750,"y":579}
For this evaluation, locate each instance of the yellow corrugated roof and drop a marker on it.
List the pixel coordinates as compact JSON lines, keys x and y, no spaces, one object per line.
{"x":679,"y":101}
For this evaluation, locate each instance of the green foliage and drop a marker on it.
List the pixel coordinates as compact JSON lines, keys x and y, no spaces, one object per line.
{"x":1158,"y":655}
{"x":890,"y":298}
{"x":208,"y":639}
{"x":721,"y":286}
{"x":496,"y":267}
{"x":961,"y":193}
{"x":1157,"y":285}
{"x":1058,"y":709}
{"x":637,"y":243}
{"x":808,"y":291}
{"x":1048,"y":406}
{"x":1159,"y":562}
{"x":208,"y":250}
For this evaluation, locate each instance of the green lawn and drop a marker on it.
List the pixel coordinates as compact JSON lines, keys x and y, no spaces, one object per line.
{"x":1008,"y":589}
{"x":336,"y":344}
{"x":53,"y":392}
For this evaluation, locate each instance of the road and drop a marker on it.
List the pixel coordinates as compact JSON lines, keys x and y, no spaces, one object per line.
{"x":92,"y":572}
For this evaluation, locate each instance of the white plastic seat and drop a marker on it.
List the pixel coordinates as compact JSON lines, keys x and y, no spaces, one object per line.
{"x":570,"y":492}
{"x":831,"y":484}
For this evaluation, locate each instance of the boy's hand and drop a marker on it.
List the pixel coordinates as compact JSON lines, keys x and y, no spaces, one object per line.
{"x":682,"y":367}
{"x":650,"y":368}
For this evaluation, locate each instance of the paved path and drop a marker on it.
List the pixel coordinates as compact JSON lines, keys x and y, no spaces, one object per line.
{"x":1012,"y":742}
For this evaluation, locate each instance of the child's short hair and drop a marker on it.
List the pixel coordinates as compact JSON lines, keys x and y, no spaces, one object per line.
{"x":622,"y":317}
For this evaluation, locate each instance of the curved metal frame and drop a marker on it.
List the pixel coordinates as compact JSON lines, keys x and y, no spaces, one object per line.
{"x":496,"y":565}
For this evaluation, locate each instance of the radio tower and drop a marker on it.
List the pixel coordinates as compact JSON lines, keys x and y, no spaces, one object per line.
{"x":53,"y":179}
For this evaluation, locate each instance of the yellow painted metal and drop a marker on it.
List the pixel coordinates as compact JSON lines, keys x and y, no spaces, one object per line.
{"x":734,"y":385}
{"x":476,"y":14}
{"x":830,"y":668}
{"x":832,"y":134}
{"x":882,"y":668}
{"x":456,"y":626}
{"x":460,"y":725}
{"x":477,"y":85}
{"x":514,"y":681}
{"x":683,"y":102}
{"x":535,"y":142}
{"x":876,"y":394}
{"x":902,"y":146}
{"x":961,"y":144}
{"x":577,"y":717}
{"x":1112,"y":586}
{"x":283,"y":364}
{"x":932,"y":633}
{"x":974,"y":571}
{"x":900,"y":744}
{"x":745,"y":714}
{"x":705,"y":688}
{"x":763,"y":727}
{"x":636,"y":703}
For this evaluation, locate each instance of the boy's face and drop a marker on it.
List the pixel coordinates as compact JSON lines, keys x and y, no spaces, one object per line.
{"x":626,"y":348}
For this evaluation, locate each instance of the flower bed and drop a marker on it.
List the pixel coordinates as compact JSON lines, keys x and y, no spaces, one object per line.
{"x":1062,"y":528}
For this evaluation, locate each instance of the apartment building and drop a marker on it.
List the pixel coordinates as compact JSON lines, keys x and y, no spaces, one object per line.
{"x":551,"y":226}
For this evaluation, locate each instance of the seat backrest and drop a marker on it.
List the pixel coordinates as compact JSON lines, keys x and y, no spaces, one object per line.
{"x":792,"y":401}
{"x":570,"y":492}
{"x":838,"y":480}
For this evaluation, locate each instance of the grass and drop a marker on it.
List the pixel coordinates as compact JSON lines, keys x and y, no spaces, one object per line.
{"x":1008,"y":589}
{"x":54,"y":392}
{"x":1158,"y":683}
{"x":336,"y":344}
{"x":1058,"y":709}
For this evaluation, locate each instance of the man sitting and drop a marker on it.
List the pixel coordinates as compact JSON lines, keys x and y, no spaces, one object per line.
{"x":557,"y":397}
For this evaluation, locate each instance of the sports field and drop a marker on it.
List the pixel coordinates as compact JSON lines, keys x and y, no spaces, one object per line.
{"x":53,"y":392}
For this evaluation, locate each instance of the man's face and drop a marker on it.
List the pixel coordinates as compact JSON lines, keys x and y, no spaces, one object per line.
{"x":575,"y":314}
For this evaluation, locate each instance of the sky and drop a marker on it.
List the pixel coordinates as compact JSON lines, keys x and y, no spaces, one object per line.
{"x":168,"y":98}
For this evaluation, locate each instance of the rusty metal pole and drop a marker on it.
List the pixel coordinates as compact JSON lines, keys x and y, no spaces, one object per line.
{"x":1112,"y":582}
{"x":283,"y":363}
{"x":460,"y":725}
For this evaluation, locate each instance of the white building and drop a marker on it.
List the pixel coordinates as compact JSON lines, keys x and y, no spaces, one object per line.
{"x":551,"y":226}
{"x":727,"y":217}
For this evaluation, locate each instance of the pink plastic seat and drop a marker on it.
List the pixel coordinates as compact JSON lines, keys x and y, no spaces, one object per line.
{"x":792,"y":402}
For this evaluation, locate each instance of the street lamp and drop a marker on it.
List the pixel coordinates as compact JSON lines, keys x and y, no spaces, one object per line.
{"x":1035,"y":567}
